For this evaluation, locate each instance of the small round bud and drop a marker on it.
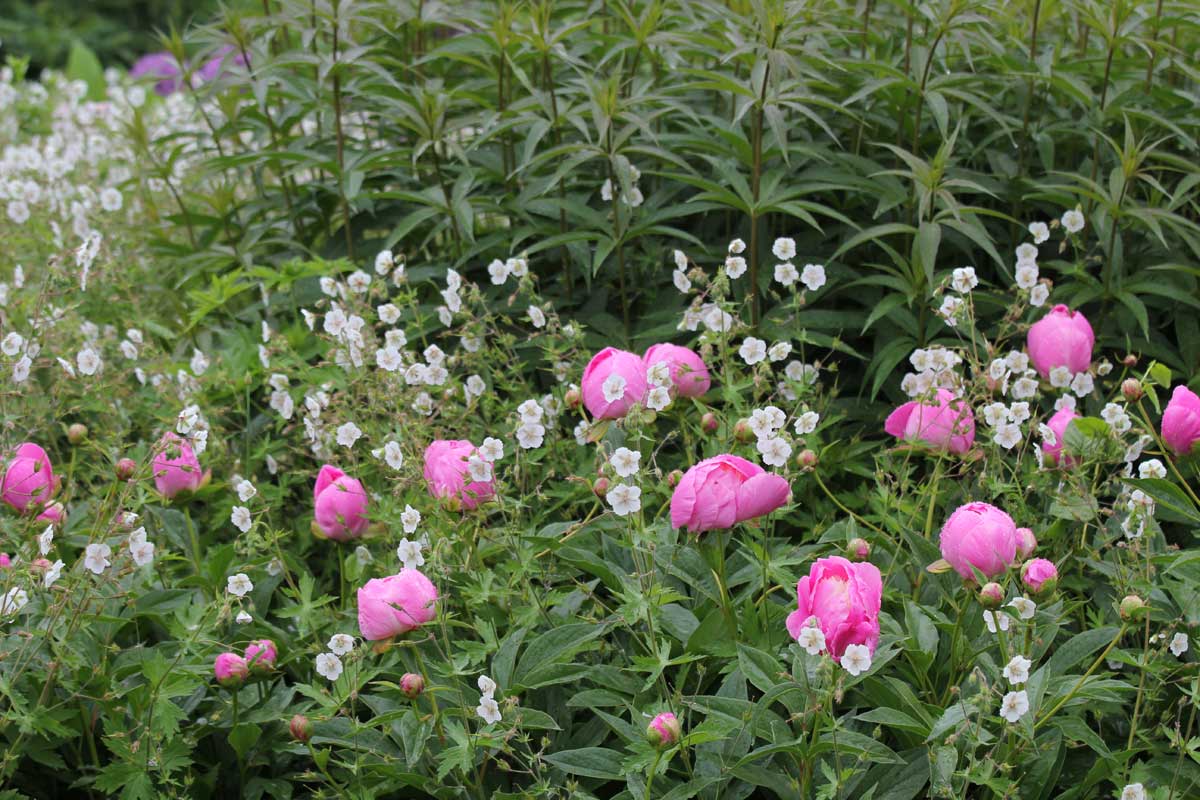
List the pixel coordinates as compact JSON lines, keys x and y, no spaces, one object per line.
{"x":77,"y":433}
{"x":301,"y":728}
{"x":1026,"y":542}
{"x":674,"y":477}
{"x":38,"y":565}
{"x":807,"y":459}
{"x":572,"y":398}
{"x":125,"y":469}
{"x":600,"y":487}
{"x":260,"y":656}
{"x":1039,"y":576}
{"x":857,"y":549}
{"x":742,"y":431}
{"x":1130,"y":360}
{"x":1132,"y":607}
{"x":709,"y":423}
{"x":991,"y":595}
{"x":412,"y":685}
{"x":1131,"y":388}
{"x":230,"y":670}
{"x":664,"y":730}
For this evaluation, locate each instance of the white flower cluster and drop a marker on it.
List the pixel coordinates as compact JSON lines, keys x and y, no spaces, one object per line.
{"x":935,"y":369}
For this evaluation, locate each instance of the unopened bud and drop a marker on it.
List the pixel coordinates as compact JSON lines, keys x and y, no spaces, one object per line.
{"x":1131,"y":388}
{"x":125,"y":469}
{"x":858,"y":549}
{"x":991,"y":595}
{"x":807,"y":459}
{"x":412,"y":685}
{"x":1026,"y":542}
{"x":708,"y":423}
{"x":77,"y":433}
{"x":300,"y":728}
{"x":1130,"y":360}
{"x":664,"y":730}
{"x":674,"y":477}
{"x":600,"y":487}
{"x":572,"y":398}
{"x":1132,"y":607}
{"x":742,"y":431}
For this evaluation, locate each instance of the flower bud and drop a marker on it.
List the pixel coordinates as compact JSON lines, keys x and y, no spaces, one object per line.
{"x":1132,"y":607}
{"x":600,"y":487}
{"x":1039,"y":576}
{"x":674,"y":477}
{"x":261,"y":655}
{"x":857,"y":549}
{"x":38,"y":565}
{"x":991,"y":595}
{"x":1131,"y":388}
{"x":1026,"y":542}
{"x":742,"y":431}
{"x":573,"y":398}
{"x":412,"y":685}
{"x":708,"y":423}
{"x":301,"y":728}
{"x":230,"y":670}
{"x":807,"y":459}
{"x":5,"y":561}
{"x":125,"y":469}
{"x":77,"y":433}
{"x":1130,"y":360}
{"x":664,"y":730}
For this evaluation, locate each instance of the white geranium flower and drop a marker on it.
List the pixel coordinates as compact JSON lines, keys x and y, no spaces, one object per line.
{"x":1152,"y":468}
{"x":492,"y":449}
{"x":964,"y":279}
{"x":624,"y":499}
{"x":329,"y":666}
{"x":410,"y":519}
{"x":774,"y":450}
{"x":240,"y":517}
{"x":735,"y":267}
{"x":1014,"y":706}
{"x":1179,"y":644}
{"x":786,"y":273}
{"x":409,"y":553}
{"x":753,"y":350}
{"x":340,"y":644}
{"x":1017,"y":670}
{"x":994,"y":620}
{"x":488,"y":710}
{"x":1073,"y":221}
{"x":96,"y":557}
{"x":856,"y":659}
{"x":239,"y":585}
{"x":784,"y":248}
{"x":813,"y":276}
{"x":806,"y":423}
{"x":625,"y":461}
{"x":348,"y":433}
{"x":1040,"y":232}
{"x":613,"y":388}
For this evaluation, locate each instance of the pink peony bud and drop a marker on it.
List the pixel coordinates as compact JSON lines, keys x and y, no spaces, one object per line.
{"x":1131,"y":389}
{"x":261,"y":655}
{"x":126,"y":467}
{"x":231,"y":670}
{"x":1058,"y":423}
{"x":29,"y":481}
{"x":857,"y":549}
{"x":301,"y":728}
{"x":742,"y":431}
{"x":844,"y":598}
{"x":979,"y":535}
{"x":946,"y":425}
{"x":77,"y":433}
{"x":806,"y":459}
{"x":572,"y":398}
{"x":688,"y":372}
{"x":54,"y":513}
{"x":991,"y":595}
{"x":1181,"y":421}
{"x":5,"y":561}
{"x":600,"y":487}
{"x":339,"y":504}
{"x":1039,"y":575}
{"x":709,"y":423}
{"x":664,"y":730}
{"x":1132,"y":607}
{"x":396,"y":604}
{"x":1026,"y":543}
{"x":446,"y":474}
{"x":674,"y":477}
{"x":412,"y":684}
{"x":721,"y":491}
{"x":1062,"y":338}
{"x":176,"y":468}
{"x":614,"y":381}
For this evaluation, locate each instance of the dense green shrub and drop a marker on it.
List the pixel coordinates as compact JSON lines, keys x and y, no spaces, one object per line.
{"x":373,"y":225}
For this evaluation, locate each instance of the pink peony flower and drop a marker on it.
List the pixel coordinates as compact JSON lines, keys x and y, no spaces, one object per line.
{"x":613,"y":382}
{"x":339,"y":504}
{"x":1058,"y":423}
{"x":723,"y":490}
{"x":261,"y":655}
{"x":947,"y":425}
{"x":230,"y":670}
{"x":446,"y":473}
{"x":1039,"y":575}
{"x":1181,"y":421}
{"x":1062,"y":338}
{"x":688,"y":372}
{"x":844,"y":597}
{"x":979,"y":535}
{"x":396,"y":604}
{"x":29,"y":480}
{"x":53,"y":513}
{"x":1026,"y":542}
{"x":5,"y":561}
{"x":664,"y":730}
{"x":176,"y":468}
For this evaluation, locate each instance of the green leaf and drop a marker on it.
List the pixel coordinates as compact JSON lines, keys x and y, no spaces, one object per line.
{"x":243,"y":737}
{"x":82,"y":65}
{"x":553,"y":645}
{"x":590,"y":762}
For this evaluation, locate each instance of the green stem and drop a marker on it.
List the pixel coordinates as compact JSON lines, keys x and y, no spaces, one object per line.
{"x":1084,"y":677}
